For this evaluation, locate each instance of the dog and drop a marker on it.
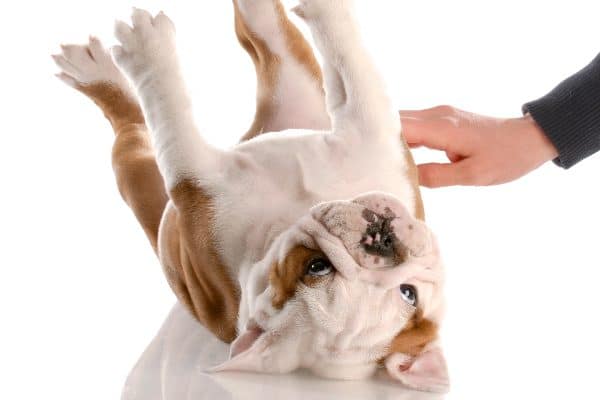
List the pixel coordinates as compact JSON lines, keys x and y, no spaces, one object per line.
{"x":304,"y":246}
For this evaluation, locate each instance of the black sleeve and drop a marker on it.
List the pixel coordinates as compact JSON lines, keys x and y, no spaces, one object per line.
{"x":570,"y":115}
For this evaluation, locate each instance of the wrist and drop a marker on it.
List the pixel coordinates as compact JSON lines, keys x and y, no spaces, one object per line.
{"x":540,"y":141}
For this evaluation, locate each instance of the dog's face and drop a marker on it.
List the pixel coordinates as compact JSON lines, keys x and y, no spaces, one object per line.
{"x":353,"y":285}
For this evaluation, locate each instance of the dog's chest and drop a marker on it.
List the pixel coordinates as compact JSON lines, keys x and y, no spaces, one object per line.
{"x":281,"y":178}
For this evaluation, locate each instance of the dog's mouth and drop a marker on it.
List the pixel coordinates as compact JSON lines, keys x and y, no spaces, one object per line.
{"x":246,"y":339}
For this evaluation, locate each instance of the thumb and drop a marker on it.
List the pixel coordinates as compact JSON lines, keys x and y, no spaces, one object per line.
{"x":436,"y":175}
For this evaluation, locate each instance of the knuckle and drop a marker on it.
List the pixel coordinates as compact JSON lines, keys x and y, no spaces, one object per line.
{"x":445,"y":109}
{"x":451,"y":120}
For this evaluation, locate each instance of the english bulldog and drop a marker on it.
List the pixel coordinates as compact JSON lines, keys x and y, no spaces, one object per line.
{"x":304,"y":246}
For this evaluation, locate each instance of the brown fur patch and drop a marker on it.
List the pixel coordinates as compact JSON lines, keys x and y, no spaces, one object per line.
{"x":140,"y":183}
{"x":417,"y":334}
{"x":190,"y":260}
{"x":299,"y":47}
{"x":118,"y":107}
{"x":419,"y":211}
{"x":193,"y":265}
{"x":268,"y":64}
{"x":413,"y":176}
{"x":285,"y":275}
{"x":133,"y":160}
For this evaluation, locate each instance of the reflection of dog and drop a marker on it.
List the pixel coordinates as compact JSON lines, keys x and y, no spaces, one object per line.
{"x":255,"y":240}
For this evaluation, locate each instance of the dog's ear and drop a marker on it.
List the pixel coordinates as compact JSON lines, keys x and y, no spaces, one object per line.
{"x":255,"y":351}
{"x":246,"y":354}
{"x":427,"y":371}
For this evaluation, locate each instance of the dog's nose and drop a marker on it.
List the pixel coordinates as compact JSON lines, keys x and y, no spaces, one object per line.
{"x":376,"y":229}
{"x":384,"y":215}
{"x":379,"y":238}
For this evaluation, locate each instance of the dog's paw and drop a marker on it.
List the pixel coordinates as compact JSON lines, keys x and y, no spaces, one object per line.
{"x":83,"y":65}
{"x":147,"y":44}
{"x":317,"y":9}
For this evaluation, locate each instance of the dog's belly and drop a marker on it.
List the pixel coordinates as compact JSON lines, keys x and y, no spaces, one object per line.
{"x":281,"y":176}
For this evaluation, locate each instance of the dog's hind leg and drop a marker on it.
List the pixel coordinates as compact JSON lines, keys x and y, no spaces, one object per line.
{"x":360,"y":108}
{"x":90,"y":69}
{"x":356,"y":95}
{"x":290,"y":85}
{"x":191,"y":168}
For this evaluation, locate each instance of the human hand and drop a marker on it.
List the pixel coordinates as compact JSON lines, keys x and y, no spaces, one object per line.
{"x":482,"y":150}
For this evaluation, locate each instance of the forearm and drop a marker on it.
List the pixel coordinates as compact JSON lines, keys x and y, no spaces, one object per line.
{"x":570,"y":115}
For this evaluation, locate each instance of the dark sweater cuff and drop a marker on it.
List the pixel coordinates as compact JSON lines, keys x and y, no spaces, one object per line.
{"x":570,"y":115}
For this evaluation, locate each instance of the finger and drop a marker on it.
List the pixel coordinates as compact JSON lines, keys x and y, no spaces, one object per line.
{"x":413,"y":114}
{"x":435,"y":133}
{"x":439,"y":175}
{"x":434,"y":112}
{"x":411,"y":130}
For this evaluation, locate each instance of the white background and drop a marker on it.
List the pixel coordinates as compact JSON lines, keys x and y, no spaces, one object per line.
{"x":82,"y":293}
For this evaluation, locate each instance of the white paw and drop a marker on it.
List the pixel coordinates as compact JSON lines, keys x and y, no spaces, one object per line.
{"x":317,"y":9}
{"x":82,"y":65}
{"x":149,"y":43}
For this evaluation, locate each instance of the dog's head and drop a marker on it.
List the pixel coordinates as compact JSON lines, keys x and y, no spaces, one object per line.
{"x":352,"y":286}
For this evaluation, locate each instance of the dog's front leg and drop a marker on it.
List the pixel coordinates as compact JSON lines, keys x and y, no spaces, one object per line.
{"x":147,"y":54}
{"x":356,"y":98}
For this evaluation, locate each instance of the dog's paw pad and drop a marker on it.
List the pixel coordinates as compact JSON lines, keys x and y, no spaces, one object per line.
{"x":149,"y":41}
{"x":311,"y":9}
{"x":82,"y":65}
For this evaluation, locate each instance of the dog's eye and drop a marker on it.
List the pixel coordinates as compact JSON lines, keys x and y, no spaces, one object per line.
{"x":409,"y":294}
{"x":319,"y":267}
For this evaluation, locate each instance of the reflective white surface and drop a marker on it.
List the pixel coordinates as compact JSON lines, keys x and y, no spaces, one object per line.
{"x":173,"y":365}
{"x":82,"y":293}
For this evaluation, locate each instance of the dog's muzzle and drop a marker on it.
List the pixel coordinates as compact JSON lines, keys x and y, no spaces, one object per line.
{"x":376,"y":229}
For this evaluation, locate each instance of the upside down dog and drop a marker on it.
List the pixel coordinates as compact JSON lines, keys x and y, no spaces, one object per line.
{"x":304,"y":246}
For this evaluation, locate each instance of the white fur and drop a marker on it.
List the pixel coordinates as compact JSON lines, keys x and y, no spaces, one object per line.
{"x":338,"y":330}
{"x":303,"y":105}
{"x":263,"y":187}
{"x":89,"y":64}
{"x":343,"y":326}
{"x":356,"y":96}
{"x":147,"y":55}
{"x":288,"y":175}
